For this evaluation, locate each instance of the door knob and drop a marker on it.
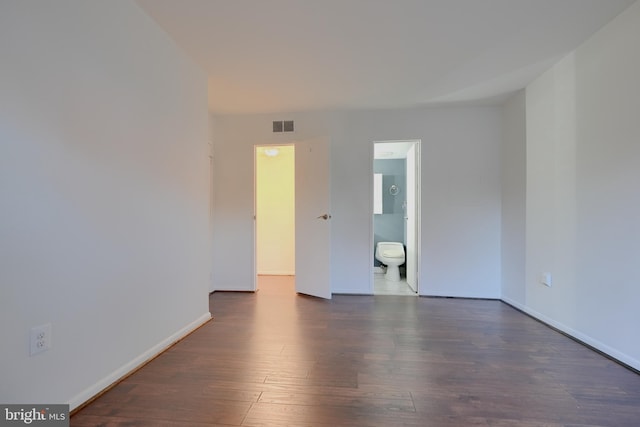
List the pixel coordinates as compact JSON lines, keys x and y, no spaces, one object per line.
{"x":325,"y":217}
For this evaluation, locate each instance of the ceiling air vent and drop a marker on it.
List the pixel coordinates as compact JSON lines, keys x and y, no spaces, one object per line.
{"x":283,"y":126}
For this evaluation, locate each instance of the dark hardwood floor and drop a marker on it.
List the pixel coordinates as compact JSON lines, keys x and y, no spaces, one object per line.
{"x":278,"y":359}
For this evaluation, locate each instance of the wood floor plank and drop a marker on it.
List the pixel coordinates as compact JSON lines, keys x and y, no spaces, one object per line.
{"x":85,"y":420}
{"x":275,"y":358}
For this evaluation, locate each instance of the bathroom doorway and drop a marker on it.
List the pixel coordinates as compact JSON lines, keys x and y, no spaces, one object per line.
{"x":275,"y":218}
{"x":396,"y":213}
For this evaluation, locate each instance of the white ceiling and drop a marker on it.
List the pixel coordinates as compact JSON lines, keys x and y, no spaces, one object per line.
{"x":295,"y":55}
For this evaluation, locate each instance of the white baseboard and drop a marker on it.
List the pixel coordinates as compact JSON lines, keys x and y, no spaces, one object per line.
{"x":350,"y":292}
{"x":515,"y":304}
{"x":234,"y":288}
{"x":624,"y":358}
{"x":130,"y":367}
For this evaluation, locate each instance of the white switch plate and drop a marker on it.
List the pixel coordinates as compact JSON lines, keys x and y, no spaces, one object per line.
{"x":546,"y":279}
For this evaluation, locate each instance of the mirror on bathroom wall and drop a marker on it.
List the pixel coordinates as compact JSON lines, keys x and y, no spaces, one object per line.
{"x":377,"y":193}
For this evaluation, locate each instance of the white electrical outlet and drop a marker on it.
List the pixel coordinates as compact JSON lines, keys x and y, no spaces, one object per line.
{"x":40,"y":339}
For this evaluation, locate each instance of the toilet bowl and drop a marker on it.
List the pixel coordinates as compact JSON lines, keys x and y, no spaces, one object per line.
{"x":391,"y":254}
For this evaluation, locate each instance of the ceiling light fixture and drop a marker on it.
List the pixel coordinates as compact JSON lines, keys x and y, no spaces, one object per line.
{"x":271,"y":152}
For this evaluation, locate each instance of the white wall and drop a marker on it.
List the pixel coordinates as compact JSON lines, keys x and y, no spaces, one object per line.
{"x":460,"y":193}
{"x":582,"y":193}
{"x":234,"y":138}
{"x":103,"y":190}
{"x":513,"y":198}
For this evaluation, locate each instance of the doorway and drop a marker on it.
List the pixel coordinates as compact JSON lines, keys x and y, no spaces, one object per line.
{"x":302,"y":244}
{"x":275,"y":217}
{"x":396,"y":213}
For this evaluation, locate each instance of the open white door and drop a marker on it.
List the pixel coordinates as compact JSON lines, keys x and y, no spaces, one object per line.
{"x":313,"y":218}
{"x":411,"y":216}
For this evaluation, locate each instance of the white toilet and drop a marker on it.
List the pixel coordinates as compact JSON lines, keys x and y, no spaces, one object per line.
{"x":391,"y":254}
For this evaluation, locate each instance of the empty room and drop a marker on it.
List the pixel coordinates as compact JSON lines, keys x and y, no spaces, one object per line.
{"x":458,"y":244}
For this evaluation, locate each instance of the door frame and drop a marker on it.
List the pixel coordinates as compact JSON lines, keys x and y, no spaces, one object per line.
{"x":418,"y":209}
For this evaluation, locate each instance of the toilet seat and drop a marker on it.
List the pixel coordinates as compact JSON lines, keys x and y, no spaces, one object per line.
{"x":393,"y":253}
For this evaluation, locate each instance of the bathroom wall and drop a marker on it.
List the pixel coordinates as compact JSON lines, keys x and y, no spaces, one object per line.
{"x":104,"y":194}
{"x":390,"y":225}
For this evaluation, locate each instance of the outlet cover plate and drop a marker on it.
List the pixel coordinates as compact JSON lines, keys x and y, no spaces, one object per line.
{"x":40,"y":339}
